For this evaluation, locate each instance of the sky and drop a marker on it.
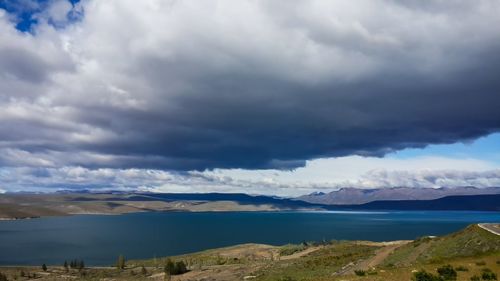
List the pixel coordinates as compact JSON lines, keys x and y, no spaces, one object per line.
{"x":262,"y":97}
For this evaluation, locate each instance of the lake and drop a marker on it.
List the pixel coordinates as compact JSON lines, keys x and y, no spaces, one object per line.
{"x":99,"y":239}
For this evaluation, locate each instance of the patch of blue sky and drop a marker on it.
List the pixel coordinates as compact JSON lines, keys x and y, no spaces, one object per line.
{"x":485,"y":148}
{"x":24,"y":12}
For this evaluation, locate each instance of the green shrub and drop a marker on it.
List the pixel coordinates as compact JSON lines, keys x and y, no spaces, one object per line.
{"x":423,"y":275}
{"x":488,"y":274}
{"x":175,"y":268}
{"x":447,"y":272}
{"x":461,"y":268}
{"x":360,"y":272}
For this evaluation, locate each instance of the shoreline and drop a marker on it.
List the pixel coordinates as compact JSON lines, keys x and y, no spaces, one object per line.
{"x":353,"y":212}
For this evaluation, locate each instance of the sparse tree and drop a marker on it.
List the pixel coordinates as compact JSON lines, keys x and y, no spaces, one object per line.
{"x":66,"y":266}
{"x":167,"y":276}
{"x":180,"y":267}
{"x":120,"y":264}
{"x":169,"y":267}
{"x":81,"y":265}
{"x":44,"y":267}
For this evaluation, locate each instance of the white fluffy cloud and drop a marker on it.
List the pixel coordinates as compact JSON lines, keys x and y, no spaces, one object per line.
{"x":323,"y":174}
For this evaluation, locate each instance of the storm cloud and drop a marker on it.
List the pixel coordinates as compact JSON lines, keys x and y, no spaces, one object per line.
{"x":190,"y":85}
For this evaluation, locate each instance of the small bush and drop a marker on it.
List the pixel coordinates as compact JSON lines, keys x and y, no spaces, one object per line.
{"x":480,"y":263}
{"x":447,"y":272}
{"x":475,"y":278}
{"x":44,"y":267}
{"x":461,"y":268}
{"x":423,"y":275}
{"x":175,"y":268}
{"x":360,"y":272}
{"x":3,"y":277}
{"x":488,"y":274}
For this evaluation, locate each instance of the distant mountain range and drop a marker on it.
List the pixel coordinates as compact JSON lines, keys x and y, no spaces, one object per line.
{"x":450,"y":203}
{"x":356,"y":196}
{"x":31,"y":205}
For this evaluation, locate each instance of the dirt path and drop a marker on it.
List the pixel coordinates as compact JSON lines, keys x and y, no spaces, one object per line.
{"x":380,"y":255}
{"x":491,"y":227}
{"x":301,"y":253}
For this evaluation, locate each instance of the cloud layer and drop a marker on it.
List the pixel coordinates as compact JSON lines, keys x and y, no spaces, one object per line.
{"x":187,"y":85}
{"x":324,"y":175}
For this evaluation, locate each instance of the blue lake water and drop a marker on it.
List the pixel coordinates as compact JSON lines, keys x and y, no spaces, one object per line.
{"x":98,"y":240}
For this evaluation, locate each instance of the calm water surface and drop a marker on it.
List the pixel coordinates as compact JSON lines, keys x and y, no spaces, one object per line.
{"x":100,"y":239}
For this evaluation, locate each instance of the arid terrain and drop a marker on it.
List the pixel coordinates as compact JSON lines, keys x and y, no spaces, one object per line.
{"x":20,"y":206}
{"x":474,"y":251}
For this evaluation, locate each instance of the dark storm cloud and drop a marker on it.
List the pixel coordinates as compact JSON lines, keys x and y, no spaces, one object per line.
{"x":254,"y":85}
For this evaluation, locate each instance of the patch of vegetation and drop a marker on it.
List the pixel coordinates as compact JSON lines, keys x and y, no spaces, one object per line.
{"x":417,"y":242}
{"x":77,"y":264}
{"x":461,"y":268}
{"x":472,"y":241}
{"x":3,"y":277}
{"x":447,"y":273}
{"x":480,"y":263}
{"x":318,"y":265}
{"x":423,"y":275}
{"x":487,"y":274}
{"x":360,"y":272}
{"x":175,"y":268}
{"x":291,"y":249}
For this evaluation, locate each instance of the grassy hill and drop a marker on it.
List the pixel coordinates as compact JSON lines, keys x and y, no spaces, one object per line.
{"x":470,"y":242}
